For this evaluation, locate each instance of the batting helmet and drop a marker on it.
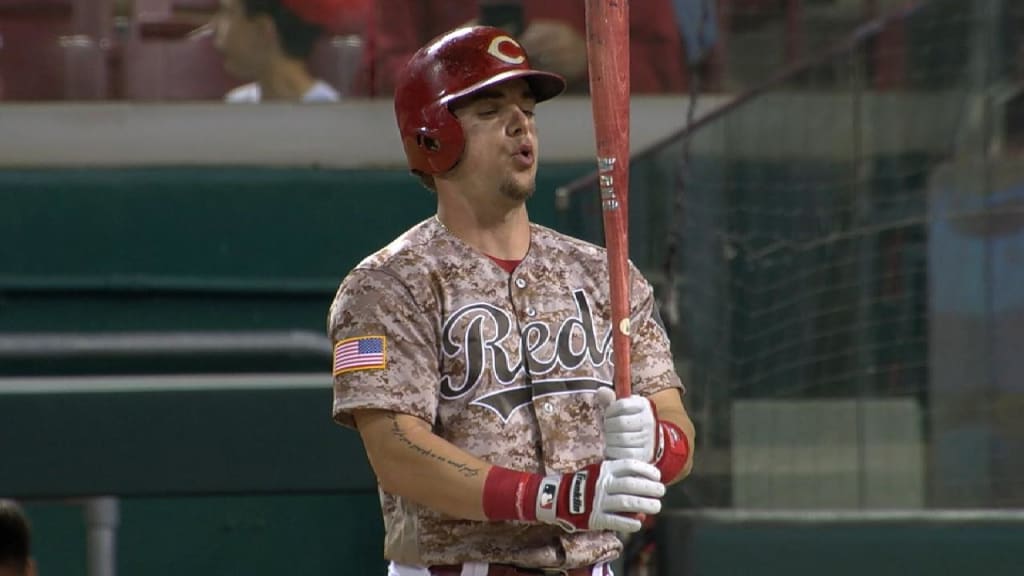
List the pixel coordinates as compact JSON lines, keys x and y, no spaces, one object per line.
{"x":450,"y":67}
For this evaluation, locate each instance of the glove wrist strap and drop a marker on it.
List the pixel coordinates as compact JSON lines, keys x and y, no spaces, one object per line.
{"x":511,"y":495}
{"x":673,"y":450}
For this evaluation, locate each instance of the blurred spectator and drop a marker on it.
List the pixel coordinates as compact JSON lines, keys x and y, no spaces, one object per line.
{"x":698,"y":24}
{"x":352,"y":19}
{"x":269,"y":42}
{"x":553,"y":33}
{"x":15,"y":541}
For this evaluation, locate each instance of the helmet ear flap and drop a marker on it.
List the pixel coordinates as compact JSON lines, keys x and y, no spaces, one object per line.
{"x":439,"y":141}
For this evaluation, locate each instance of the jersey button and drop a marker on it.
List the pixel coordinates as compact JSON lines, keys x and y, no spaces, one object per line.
{"x":520,"y":282}
{"x":531,"y":311}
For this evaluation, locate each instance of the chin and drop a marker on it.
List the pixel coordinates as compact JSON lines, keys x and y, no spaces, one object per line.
{"x":519,"y":188}
{"x":516,"y":192}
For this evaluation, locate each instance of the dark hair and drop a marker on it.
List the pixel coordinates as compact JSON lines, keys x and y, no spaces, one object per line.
{"x":297,"y":36}
{"x":15,"y":537}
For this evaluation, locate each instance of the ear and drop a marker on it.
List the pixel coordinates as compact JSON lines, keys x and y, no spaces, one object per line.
{"x":30,"y":567}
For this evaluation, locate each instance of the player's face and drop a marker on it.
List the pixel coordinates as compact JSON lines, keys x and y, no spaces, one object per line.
{"x":240,"y":39}
{"x":501,"y":141}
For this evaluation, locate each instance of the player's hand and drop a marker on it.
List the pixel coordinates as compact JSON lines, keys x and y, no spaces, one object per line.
{"x":630,"y":427}
{"x":601,"y":496}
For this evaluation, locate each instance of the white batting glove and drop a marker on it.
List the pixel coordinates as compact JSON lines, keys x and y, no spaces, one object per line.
{"x":630,"y":427}
{"x":601,"y":496}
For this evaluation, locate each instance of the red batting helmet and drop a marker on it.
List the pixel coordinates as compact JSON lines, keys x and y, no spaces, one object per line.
{"x":450,"y":67}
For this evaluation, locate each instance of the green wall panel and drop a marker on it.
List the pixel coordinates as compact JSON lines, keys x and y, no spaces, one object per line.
{"x":311,"y":535}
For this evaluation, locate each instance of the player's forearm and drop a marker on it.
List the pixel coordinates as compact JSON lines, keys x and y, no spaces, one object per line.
{"x":412,"y":462}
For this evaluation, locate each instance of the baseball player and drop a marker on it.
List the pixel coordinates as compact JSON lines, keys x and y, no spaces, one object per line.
{"x":269,"y":42}
{"x":473,"y":353}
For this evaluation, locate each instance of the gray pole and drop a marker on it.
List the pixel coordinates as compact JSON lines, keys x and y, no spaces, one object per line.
{"x":102,"y":517}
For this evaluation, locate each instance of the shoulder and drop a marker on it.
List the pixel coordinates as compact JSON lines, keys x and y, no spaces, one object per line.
{"x":587,"y":257}
{"x":406,"y":258}
{"x":245,"y":93}
{"x":552,"y":241}
{"x":393,"y":282}
{"x":554,"y":244}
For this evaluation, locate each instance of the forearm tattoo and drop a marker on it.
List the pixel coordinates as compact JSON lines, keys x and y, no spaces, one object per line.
{"x":462,"y":468}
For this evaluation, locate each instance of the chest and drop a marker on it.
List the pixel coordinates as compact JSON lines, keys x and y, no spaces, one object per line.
{"x":527,"y":337}
{"x":520,"y":357}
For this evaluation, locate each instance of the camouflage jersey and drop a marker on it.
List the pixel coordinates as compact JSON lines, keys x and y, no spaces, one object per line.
{"x":504,"y":366}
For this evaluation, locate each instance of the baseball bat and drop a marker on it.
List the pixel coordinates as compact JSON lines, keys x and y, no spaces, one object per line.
{"x":608,"y":61}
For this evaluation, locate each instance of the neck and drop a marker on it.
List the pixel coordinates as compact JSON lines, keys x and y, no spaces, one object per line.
{"x":285,"y":79}
{"x":505,"y":235}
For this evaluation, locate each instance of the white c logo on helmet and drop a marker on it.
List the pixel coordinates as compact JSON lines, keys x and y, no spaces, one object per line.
{"x":495,"y":50}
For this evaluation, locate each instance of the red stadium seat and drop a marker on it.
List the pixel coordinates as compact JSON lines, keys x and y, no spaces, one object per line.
{"x":92,"y":17}
{"x":30,"y":57}
{"x":84,"y":60}
{"x":154,"y":10}
{"x":169,"y":18}
{"x":40,"y":61}
{"x":185,"y":69}
{"x":54,"y":49}
{"x":336,"y":59}
{"x":37,"y":6}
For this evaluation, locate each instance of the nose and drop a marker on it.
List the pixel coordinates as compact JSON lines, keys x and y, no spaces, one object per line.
{"x":518,"y":123}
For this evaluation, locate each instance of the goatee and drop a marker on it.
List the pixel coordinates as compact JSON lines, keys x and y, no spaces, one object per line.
{"x":513,"y":190}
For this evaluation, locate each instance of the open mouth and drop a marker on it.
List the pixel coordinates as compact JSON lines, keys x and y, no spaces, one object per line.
{"x":525,"y":153}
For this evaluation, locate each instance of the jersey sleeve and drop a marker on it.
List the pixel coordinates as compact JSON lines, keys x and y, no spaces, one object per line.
{"x":652,"y":365}
{"x":385,"y":348}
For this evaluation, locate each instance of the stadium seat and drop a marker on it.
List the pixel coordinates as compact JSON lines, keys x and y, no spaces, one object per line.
{"x":54,"y":49}
{"x":30,"y":59}
{"x":185,"y":69}
{"x":169,"y":18}
{"x":336,"y":59}
{"x":37,"y":62}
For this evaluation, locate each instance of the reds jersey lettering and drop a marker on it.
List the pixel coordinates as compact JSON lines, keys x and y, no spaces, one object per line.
{"x":503,"y":366}
{"x":484,"y":355}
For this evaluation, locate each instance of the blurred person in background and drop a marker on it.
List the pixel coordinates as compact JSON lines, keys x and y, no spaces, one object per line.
{"x":15,"y":541}
{"x":552,"y":32}
{"x":269,"y":42}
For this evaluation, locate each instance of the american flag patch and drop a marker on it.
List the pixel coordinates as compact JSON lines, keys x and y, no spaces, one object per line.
{"x":361,"y":353}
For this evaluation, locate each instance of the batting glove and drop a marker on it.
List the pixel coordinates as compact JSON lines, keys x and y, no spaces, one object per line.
{"x":600,"y":496}
{"x":630,"y":427}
